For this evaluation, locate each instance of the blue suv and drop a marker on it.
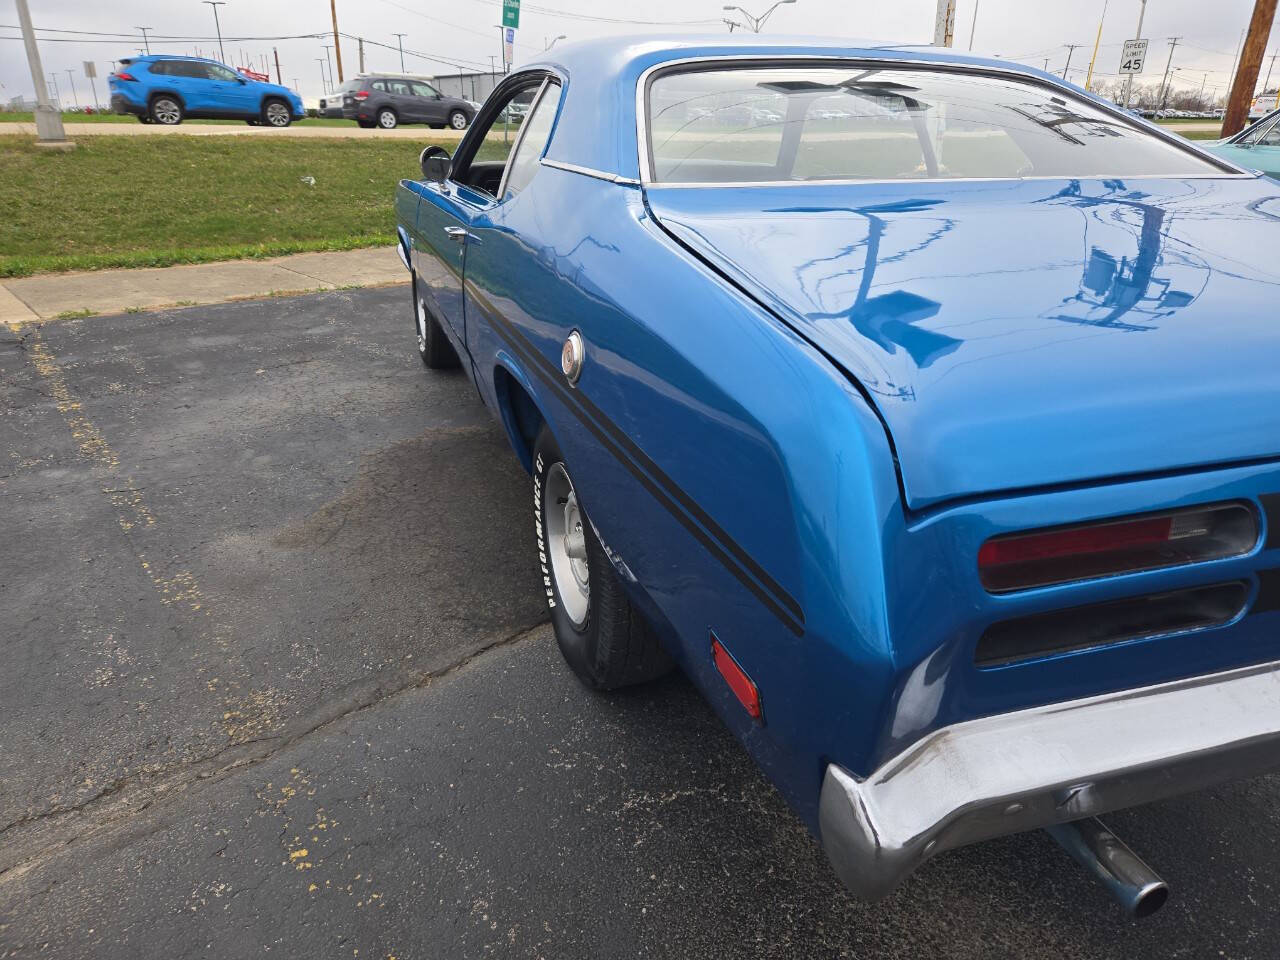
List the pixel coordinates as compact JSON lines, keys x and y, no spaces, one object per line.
{"x":167,"y":90}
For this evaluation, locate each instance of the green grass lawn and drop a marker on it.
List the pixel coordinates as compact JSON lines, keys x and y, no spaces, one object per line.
{"x":154,"y":201}
{"x":15,"y":116}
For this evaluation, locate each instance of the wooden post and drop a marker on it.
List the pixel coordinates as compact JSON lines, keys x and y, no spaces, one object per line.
{"x":337,"y":46}
{"x":276,"y":53}
{"x":1246,"y":78}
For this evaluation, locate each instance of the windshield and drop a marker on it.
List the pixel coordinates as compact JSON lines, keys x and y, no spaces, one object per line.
{"x":764,"y":124}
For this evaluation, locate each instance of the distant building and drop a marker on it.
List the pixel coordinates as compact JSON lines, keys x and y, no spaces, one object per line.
{"x":468,"y":86}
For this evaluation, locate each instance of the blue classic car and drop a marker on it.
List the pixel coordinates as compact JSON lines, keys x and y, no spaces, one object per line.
{"x":923,"y":409}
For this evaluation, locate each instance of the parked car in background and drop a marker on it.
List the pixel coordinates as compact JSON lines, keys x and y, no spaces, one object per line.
{"x":330,"y":106}
{"x":388,"y":101}
{"x":168,"y":89}
{"x":960,"y":534}
{"x":1256,"y":146}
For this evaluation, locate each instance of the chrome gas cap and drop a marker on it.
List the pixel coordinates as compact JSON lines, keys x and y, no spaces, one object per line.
{"x":571,"y":357}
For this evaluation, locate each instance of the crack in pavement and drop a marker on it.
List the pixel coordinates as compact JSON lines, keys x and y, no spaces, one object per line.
{"x":46,"y":835}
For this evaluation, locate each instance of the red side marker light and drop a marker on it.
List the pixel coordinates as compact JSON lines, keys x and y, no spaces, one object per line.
{"x":736,"y":678}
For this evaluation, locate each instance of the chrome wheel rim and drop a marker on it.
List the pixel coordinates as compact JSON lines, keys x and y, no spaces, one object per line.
{"x":277,"y":115}
{"x":422,"y":327}
{"x":458,"y":121}
{"x":386,"y":119}
{"x":566,"y":544}
{"x":166,"y":111}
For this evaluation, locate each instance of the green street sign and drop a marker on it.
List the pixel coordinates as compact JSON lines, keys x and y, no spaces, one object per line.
{"x":511,"y":13}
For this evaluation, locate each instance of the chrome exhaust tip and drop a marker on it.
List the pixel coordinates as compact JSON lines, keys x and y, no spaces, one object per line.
{"x":1134,"y":885}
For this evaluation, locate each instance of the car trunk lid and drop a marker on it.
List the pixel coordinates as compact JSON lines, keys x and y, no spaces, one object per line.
{"x":1022,"y":333}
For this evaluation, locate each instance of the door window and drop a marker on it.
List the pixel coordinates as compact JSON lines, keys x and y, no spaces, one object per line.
{"x":534,"y":134}
{"x":218,"y":72}
{"x":424,"y":89}
{"x":400,"y":88}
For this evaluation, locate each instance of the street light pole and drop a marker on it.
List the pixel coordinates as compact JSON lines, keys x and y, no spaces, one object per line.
{"x":145,"y":42}
{"x":75,"y":97}
{"x":329,"y":61}
{"x":400,"y":39}
{"x":217,"y":26}
{"x":974,"y":26}
{"x":1128,"y":84}
{"x":553,"y":42}
{"x":324,"y":84}
{"x":756,"y":23}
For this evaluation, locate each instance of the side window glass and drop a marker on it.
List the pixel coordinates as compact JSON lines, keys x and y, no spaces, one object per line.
{"x":424,"y":89}
{"x":161,"y":68}
{"x":218,"y":73}
{"x":398,"y":87}
{"x":197,"y":71}
{"x":379,"y":86}
{"x":503,"y":132}
{"x":534,"y":134}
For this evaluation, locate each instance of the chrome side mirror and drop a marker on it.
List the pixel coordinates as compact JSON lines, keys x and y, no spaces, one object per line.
{"x":435,"y":162}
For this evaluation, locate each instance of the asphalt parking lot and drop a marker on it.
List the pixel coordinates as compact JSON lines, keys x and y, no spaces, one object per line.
{"x":277,"y":682}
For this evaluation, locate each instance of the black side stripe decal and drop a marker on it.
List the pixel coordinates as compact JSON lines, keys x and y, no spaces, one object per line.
{"x":659,"y":485}
{"x":1271,"y":504}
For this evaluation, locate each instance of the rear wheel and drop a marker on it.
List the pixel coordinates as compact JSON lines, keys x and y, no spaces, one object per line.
{"x":275,"y":113}
{"x":458,"y":120}
{"x":602,"y":636}
{"x":387,"y":119}
{"x":434,"y":349}
{"x":166,"y":110}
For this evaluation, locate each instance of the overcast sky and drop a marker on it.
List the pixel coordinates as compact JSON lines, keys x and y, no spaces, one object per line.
{"x":462,"y":33}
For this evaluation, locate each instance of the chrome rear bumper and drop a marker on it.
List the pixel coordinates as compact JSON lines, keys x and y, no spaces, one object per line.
{"x":1032,"y":768}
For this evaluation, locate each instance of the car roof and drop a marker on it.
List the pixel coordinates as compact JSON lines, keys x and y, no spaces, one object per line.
{"x":611,"y":68}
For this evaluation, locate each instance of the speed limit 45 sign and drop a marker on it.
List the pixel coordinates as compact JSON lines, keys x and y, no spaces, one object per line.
{"x":1134,"y":56}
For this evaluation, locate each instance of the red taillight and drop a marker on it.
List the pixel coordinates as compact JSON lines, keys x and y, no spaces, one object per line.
{"x":126,"y":76}
{"x":1039,"y":558}
{"x":362,"y":94}
{"x":736,"y":678}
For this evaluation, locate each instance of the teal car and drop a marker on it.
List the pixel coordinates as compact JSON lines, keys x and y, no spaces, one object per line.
{"x":1256,"y":146}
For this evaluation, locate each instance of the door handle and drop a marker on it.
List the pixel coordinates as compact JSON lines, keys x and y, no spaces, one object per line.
{"x":459,"y":234}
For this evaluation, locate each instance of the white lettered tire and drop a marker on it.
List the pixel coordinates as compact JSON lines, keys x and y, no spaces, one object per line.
{"x":601,"y":635}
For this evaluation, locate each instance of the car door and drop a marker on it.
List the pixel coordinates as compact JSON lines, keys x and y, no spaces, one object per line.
{"x":408,"y":108}
{"x":430,"y":103}
{"x":442,"y":239}
{"x":231,"y":92}
{"x":191,"y":81}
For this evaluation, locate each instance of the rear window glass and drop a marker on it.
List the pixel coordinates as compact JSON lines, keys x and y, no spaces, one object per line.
{"x":751,"y":125}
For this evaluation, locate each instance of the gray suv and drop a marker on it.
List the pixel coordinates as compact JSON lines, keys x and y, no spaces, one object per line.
{"x":388,"y":101}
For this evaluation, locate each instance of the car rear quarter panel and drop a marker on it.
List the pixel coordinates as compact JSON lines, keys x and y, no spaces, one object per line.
{"x":743,"y":418}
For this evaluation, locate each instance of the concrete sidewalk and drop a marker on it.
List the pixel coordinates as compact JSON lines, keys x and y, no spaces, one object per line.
{"x":115,"y":291}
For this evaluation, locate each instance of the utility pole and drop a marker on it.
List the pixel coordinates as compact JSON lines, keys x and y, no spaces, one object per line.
{"x":1255,"y":48}
{"x":1267,"y":82}
{"x":329,"y":61}
{"x":400,"y":40}
{"x":1088,"y":80}
{"x":973,"y":27}
{"x":145,"y":42}
{"x":361,"y":48}
{"x":276,"y":53}
{"x":75,"y":97}
{"x":944,"y":24}
{"x":324,"y":84}
{"x":222,"y":54}
{"x":337,"y":47}
{"x":1046,"y":64}
{"x":1071,"y":48}
{"x":49,"y":132}
{"x":1128,"y":83}
{"x":1164,"y":84}
{"x":757,"y":23}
